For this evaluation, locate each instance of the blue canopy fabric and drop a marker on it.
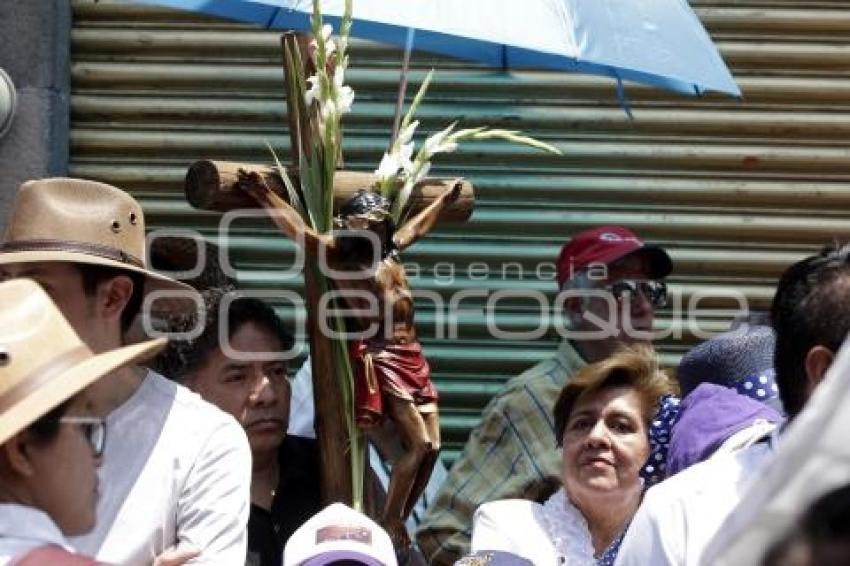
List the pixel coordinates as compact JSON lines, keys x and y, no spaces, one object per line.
{"x":655,"y":42}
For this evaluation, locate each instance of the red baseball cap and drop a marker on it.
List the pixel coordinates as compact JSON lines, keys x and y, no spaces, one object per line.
{"x":605,"y":245}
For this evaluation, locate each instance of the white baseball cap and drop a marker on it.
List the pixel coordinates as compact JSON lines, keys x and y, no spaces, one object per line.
{"x":338,"y":532}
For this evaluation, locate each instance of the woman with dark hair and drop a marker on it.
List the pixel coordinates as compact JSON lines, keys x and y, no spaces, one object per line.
{"x":603,"y":418}
{"x":391,"y":374}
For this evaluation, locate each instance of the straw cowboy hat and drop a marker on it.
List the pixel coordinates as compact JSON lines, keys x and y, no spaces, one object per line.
{"x":35,"y":378}
{"x":80,"y":221}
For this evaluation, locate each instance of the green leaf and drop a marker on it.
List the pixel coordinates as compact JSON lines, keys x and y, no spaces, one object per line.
{"x":291,"y":191}
{"x":516,"y":137}
{"x":417,"y":100}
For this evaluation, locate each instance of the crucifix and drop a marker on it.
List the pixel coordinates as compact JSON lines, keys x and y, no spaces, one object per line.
{"x":391,"y":375}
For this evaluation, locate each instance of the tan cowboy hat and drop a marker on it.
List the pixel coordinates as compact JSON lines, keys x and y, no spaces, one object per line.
{"x":80,"y":221}
{"x":42,"y":360}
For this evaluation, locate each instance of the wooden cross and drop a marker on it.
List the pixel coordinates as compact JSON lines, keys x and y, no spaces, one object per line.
{"x":212,"y":185}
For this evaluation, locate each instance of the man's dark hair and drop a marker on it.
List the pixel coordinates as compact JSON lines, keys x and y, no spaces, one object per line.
{"x":182,"y":358}
{"x":94,"y":275}
{"x":811,"y":308}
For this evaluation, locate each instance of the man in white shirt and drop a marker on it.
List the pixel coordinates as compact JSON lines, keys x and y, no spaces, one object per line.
{"x":811,"y":317}
{"x":177,"y":470}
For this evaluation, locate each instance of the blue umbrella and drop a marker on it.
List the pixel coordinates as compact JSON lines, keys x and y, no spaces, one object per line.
{"x":656,"y":42}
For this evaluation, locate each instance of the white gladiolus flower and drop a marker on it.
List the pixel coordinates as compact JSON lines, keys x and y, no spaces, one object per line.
{"x":423,"y":171}
{"x":315,"y":91}
{"x":344,"y":100}
{"x":344,"y":94}
{"x":388,"y":167}
{"x":404,"y":154}
{"x":447,"y":147}
{"x":433,"y":144}
{"x":328,"y":110}
{"x":437,"y":143}
{"x":406,"y":134}
{"x":330,"y":46}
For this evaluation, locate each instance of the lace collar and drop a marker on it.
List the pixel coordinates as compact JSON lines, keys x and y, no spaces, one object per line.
{"x":570,"y":535}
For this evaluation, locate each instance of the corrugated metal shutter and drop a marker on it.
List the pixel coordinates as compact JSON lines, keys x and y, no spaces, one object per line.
{"x":735,"y":190}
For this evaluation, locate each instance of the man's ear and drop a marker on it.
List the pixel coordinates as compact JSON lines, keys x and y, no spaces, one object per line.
{"x":14,"y":453}
{"x":818,"y":361}
{"x":114,"y":295}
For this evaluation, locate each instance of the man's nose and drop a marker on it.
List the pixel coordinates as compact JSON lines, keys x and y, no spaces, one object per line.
{"x":263,"y":393}
{"x":640,"y":302}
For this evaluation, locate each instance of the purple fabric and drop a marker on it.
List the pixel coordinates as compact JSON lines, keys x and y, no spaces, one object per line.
{"x":708,"y":416}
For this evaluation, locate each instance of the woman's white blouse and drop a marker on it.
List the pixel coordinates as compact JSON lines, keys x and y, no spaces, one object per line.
{"x":552,"y":534}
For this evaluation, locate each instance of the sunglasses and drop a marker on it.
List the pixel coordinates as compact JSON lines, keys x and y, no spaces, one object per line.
{"x":93,"y":428}
{"x":627,"y":289}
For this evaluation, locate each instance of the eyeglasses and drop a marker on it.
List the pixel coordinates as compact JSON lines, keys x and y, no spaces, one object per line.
{"x":93,"y":428}
{"x":654,"y":291}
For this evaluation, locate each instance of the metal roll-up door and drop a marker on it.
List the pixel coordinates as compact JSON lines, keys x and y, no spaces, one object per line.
{"x":735,"y":190}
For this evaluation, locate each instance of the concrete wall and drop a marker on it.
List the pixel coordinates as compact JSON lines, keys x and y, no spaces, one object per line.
{"x":34,"y":51}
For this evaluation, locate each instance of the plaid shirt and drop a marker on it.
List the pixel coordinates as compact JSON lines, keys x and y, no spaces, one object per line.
{"x":511,"y":454}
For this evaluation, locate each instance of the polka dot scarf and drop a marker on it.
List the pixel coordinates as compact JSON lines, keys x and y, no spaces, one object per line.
{"x":760,"y":387}
{"x":659,"y":440}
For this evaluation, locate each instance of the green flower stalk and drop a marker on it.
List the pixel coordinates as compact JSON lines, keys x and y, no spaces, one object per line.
{"x":398,"y":174}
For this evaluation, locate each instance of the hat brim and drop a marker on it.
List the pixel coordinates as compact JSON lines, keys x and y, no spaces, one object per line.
{"x":660,"y":263}
{"x":182,"y":301}
{"x":331,"y":556}
{"x":56,"y":391}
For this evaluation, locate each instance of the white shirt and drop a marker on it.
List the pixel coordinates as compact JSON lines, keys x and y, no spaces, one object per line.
{"x":301,"y":409}
{"x":554,"y":533}
{"x":679,"y":516}
{"x":515,"y":526}
{"x":176,"y":470}
{"x":24,"y":528}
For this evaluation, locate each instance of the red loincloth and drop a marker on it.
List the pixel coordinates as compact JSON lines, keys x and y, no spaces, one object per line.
{"x":400,"y":370}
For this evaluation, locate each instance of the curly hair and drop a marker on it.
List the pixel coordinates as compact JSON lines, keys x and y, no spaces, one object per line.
{"x":635,"y":367}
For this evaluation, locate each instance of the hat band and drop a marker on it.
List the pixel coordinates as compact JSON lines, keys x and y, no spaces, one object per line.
{"x":106,"y":252}
{"x":42,"y":376}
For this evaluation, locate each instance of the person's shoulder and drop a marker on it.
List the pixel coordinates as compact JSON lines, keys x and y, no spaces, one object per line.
{"x":546,"y":377}
{"x":717,"y":473}
{"x":508,"y":508}
{"x":188,"y":410}
{"x":534,"y":391}
{"x":497,"y":523}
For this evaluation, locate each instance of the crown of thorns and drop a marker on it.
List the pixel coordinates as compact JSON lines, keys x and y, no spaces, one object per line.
{"x":365,"y":205}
